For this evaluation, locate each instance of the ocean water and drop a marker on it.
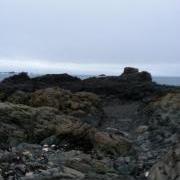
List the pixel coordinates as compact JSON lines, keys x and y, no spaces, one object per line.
{"x":4,"y":75}
{"x":175,"y":81}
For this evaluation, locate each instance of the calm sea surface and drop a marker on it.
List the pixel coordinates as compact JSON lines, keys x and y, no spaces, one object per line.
{"x":160,"y":80}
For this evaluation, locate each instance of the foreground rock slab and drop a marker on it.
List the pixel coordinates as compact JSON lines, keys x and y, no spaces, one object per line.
{"x":169,"y":167}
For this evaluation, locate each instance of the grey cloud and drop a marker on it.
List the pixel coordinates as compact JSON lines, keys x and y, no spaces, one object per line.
{"x":103,"y":31}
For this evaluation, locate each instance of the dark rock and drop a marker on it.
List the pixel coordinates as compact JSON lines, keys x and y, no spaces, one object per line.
{"x":56,"y":79}
{"x":130,"y":70}
{"x":132,"y":84}
{"x":19,"y":78}
{"x":134,"y":74}
{"x":52,"y":140}
{"x":145,"y":76}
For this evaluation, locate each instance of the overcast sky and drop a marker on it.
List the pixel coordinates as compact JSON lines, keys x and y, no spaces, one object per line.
{"x":90,"y":36}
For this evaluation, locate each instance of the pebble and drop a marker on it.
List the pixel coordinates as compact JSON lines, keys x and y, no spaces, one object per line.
{"x":141,"y":129}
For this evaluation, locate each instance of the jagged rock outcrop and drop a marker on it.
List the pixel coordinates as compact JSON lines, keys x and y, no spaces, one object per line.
{"x":159,"y":130}
{"x":134,"y":74}
{"x":25,"y":124}
{"x":19,"y":78}
{"x":86,"y":106}
{"x":164,"y":113}
{"x":132,"y":84}
{"x":22,"y":82}
{"x":81,"y":104}
{"x":56,"y":78}
{"x":166,"y":109}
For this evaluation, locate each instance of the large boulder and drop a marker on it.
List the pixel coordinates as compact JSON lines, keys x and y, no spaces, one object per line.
{"x":130,"y":70}
{"x":134,"y":74}
{"x":20,"y":123}
{"x":84,"y":105}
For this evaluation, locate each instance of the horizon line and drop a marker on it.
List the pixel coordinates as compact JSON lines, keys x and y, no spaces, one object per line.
{"x":44,"y":67}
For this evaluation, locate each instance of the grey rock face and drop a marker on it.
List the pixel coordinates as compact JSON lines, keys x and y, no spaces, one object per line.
{"x":169,"y":167}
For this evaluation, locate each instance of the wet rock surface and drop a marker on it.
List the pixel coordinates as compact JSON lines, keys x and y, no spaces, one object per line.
{"x":112,"y":128}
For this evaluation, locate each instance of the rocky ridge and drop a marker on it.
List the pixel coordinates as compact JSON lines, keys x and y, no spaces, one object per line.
{"x":62,"y":127}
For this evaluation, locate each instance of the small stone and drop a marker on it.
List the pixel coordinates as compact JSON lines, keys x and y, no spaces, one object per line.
{"x":21,"y":168}
{"x":45,"y":149}
{"x":141,"y":129}
{"x":146,"y":174}
{"x":45,"y":145}
{"x":27,"y":153}
{"x":29,"y":174}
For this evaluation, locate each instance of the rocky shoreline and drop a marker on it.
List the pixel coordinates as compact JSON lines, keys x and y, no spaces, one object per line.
{"x":110,"y":127}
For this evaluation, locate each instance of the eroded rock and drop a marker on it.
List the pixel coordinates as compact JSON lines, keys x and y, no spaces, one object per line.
{"x":86,"y":106}
{"x":26,"y":124}
{"x":169,"y":167}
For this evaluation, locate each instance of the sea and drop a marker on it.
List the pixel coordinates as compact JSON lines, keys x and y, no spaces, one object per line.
{"x":174,"y":81}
